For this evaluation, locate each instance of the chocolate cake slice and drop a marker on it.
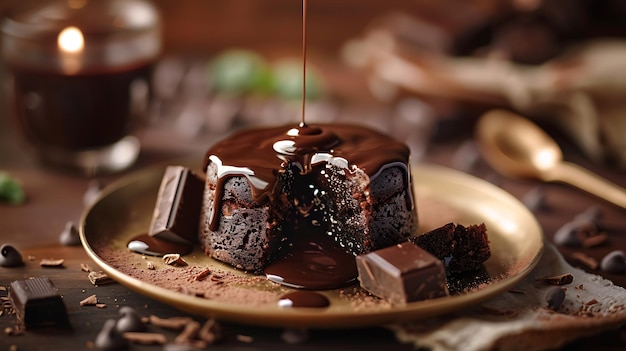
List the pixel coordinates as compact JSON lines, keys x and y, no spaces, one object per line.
{"x":267,"y":188}
{"x":461,"y":248}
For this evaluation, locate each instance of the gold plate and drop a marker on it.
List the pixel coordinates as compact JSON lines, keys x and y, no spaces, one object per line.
{"x":443,"y":195}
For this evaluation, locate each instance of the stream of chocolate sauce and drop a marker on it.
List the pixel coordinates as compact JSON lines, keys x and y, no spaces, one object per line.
{"x":309,"y":259}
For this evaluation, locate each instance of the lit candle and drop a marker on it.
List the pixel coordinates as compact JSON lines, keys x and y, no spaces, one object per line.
{"x":71,"y":43}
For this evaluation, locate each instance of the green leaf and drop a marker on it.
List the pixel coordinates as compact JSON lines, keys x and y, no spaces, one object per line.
{"x":239,"y":71}
{"x":11,"y":190}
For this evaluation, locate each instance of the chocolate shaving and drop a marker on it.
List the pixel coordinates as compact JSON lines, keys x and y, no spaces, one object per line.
{"x":89,"y":301}
{"x":211,"y":332}
{"x":200,"y":276}
{"x":587,"y":261}
{"x":174,"y":323}
{"x":562,"y":279}
{"x":244,"y":338}
{"x":595,"y":240}
{"x":13,"y":331}
{"x":145,"y":338}
{"x":189,"y":333}
{"x":174,"y":260}
{"x":99,"y":278}
{"x":47,"y":262}
{"x":85,"y":267}
{"x":517,"y":291}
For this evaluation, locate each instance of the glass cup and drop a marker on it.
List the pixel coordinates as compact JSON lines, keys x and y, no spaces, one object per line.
{"x":80,"y":78}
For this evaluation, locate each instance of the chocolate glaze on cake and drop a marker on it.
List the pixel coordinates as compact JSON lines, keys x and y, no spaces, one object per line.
{"x":269,"y":189}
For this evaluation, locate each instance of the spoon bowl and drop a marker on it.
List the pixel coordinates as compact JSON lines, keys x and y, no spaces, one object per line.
{"x":516,"y":147}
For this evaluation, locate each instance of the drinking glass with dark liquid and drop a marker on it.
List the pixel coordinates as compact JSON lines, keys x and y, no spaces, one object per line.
{"x":80,"y":72}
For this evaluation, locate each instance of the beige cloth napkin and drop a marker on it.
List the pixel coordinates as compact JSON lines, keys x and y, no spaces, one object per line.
{"x":519,"y":319}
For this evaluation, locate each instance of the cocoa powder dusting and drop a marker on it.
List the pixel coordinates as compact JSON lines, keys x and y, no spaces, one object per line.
{"x":222,"y":286}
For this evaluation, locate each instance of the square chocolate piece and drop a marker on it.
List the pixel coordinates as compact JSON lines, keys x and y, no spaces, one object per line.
{"x":402,"y":273}
{"x":37,"y":303}
{"x":176,"y":215}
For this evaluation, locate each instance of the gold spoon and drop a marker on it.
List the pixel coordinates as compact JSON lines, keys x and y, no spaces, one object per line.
{"x":516,"y":147}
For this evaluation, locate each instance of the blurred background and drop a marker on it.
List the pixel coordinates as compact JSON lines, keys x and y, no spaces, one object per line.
{"x":428,"y":67}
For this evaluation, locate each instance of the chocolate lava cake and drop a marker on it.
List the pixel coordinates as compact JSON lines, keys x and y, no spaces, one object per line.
{"x":265,"y":187}
{"x":461,"y":248}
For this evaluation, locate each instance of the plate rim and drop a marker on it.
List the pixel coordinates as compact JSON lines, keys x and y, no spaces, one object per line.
{"x":311,"y":317}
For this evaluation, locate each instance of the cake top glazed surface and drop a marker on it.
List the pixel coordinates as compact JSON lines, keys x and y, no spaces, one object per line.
{"x":259,"y":154}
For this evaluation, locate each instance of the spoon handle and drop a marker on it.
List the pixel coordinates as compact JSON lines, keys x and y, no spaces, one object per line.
{"x":583,"y":179}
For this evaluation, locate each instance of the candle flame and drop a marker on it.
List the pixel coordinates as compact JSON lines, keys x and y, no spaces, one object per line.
{"x":71,"y":40}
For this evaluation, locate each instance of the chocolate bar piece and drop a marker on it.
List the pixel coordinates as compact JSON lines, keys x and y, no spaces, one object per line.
{"x":177,"y":210}
{"x":37,"y":303}
{"x":402,"y":273}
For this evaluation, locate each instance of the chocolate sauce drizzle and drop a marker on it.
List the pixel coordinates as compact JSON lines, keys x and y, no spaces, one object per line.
{"x":260,"y":154}
{"x":153,"y":246}
{"x":305,"y":299}
{"x":309,"y":258}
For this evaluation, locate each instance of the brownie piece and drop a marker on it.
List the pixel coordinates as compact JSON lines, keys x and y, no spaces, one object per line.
{"x":461,"y":248}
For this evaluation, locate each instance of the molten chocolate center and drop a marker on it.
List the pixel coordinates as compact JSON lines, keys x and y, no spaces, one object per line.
{"x":310,"y":258}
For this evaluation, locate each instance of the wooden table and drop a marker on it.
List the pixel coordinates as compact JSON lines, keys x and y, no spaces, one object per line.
{"x":55,"y":197}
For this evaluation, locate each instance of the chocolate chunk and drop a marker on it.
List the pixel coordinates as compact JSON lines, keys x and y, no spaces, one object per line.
{"x":554,"y":297}
{"x":295,"y":335}
{"x":466,"y":156}
{"x":37,"y":303}
{"x":561,"y":279}
{"x":69,"y":236}
{"x":94,"y":189}
{"x":10,"y":256}
{"x":574,"y":233}
{"x":130,"y":321}
{"x":402,"y":273}
{"x":614,"y":262}
{"x":593,"y":214}
{"x":535,"y":199}
{"x":177,"y":209}
{"x":109,"y":338}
